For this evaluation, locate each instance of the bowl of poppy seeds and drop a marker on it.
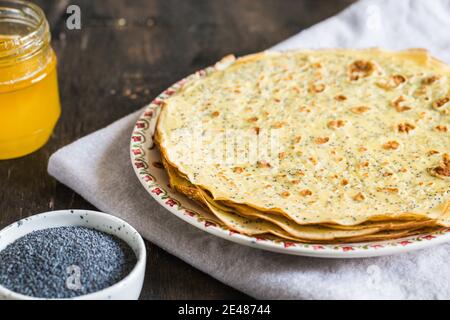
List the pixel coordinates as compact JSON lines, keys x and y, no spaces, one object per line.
{"x":71,"y":254}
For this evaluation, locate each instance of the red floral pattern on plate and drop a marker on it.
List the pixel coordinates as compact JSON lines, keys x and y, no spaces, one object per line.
{"x":289,"y":244}
{"x":171,"y":202}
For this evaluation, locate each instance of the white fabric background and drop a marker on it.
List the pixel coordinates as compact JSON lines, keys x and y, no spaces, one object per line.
{"x":98,"y":168}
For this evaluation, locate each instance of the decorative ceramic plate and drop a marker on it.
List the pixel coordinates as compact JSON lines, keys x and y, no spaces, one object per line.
{"x":146,"y":161}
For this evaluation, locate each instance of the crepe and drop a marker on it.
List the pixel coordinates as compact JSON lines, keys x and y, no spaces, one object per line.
{"x":331,"y":140}
{"x":254,"y":223}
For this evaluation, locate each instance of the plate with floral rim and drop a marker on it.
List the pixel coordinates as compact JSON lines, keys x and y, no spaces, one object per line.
{"x":146,"y":162}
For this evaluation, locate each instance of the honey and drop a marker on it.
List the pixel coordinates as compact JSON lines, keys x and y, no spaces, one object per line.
{"x":29,"y":98}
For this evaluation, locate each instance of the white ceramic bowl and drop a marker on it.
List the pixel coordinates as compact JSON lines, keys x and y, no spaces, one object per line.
{"x":127,"y":289}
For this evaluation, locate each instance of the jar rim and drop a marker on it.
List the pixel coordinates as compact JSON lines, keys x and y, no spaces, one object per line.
{"x":32,"y":40}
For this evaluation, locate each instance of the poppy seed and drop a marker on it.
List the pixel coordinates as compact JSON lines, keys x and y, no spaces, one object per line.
{"x":65,"y":262}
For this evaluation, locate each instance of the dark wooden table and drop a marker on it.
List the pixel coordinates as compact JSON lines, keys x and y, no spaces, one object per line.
{"x":124,"y":55}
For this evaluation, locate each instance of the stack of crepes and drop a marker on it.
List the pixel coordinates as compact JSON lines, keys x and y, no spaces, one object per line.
{"x":318,"y":146}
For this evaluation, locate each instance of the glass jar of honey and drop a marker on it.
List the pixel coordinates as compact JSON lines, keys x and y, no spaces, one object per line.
{"x":29,"y":98}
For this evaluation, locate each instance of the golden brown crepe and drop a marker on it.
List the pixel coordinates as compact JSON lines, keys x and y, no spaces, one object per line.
{"x":329,"y":145}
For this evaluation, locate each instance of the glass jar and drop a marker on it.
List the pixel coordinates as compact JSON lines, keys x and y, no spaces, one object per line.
{"x":29,"y":98}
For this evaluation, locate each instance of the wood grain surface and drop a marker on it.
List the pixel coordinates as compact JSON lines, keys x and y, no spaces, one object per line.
{"x":124,"y":55}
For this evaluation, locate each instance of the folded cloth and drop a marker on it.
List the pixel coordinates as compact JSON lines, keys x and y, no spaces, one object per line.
{"x":98,"y":168}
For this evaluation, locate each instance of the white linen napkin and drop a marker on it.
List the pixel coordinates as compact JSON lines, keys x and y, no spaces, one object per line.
{"x":98,"y":168}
